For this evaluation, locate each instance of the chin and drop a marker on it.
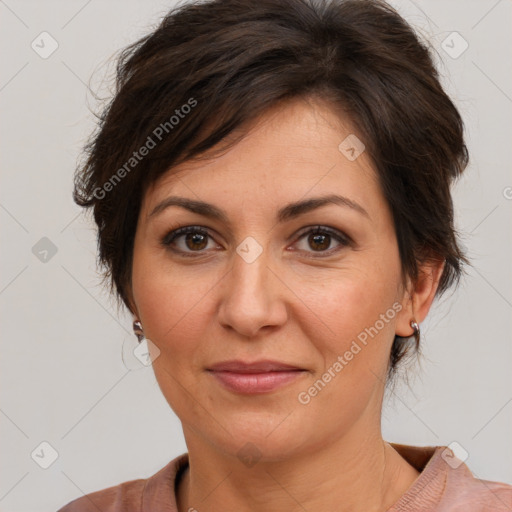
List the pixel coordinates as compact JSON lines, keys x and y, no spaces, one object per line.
{"x":262,"y":436}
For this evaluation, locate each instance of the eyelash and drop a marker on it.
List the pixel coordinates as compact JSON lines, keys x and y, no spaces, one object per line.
{"x":343,"y":239}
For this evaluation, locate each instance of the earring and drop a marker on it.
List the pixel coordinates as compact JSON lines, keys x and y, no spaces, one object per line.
{"x":137,"y":330}
{"x":416,"y":328}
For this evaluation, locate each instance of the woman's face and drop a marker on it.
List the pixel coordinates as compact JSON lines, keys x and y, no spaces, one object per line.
{"x":253,"y":282}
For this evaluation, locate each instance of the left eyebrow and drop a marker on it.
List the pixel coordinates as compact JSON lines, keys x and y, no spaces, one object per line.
{"x":286,"y":213}
{"x":300,"y":207}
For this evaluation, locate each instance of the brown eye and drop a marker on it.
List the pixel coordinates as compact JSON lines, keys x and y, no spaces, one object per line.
{"x":188,"y":240}
{"x":196,"y":241}
{"x":319,"y":242}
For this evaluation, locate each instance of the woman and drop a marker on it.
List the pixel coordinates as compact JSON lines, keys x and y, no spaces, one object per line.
{"x":271,"y":185}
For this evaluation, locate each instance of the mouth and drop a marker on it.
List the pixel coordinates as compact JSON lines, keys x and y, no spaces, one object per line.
{"x":257,"y":377}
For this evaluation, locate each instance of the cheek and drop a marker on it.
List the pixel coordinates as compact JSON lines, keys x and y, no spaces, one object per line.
{"x":176,"y":316}
{"x":351,"y":312}
{"x":172,"y":307}
{"x":165,"y":297}
{"x":178,"y":311}
{"x":350,"y":321}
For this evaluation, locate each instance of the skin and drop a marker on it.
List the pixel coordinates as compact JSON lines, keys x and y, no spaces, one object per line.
{"x":292,"y":304}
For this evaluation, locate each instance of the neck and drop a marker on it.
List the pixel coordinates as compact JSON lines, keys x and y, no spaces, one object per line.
{"x":352,"y":473}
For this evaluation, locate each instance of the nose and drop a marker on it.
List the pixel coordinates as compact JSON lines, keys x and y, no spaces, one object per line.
{"x":252,"y":297}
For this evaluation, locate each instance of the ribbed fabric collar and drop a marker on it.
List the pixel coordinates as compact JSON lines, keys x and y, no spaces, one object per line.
{"x":423,"y":495}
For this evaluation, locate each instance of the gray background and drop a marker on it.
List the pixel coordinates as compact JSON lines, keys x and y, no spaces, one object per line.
{"x":63,"y":379}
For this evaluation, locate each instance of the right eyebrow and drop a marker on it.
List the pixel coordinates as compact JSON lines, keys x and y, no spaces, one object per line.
{"x":199,"y":207}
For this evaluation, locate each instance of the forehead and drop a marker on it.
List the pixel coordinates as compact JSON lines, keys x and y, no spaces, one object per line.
{"x":295,"y":149}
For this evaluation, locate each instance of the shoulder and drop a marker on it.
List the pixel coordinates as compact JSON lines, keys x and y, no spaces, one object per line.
{"x":126,"y":497}
{"x":155,"y":492}
{"x":446,"y":484}
{"x":469,"y":493}
{"x":477,"y":495}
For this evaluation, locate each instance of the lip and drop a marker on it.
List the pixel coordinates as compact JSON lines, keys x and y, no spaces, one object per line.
{"x":257,"y":377}
{"x":261,"y":366}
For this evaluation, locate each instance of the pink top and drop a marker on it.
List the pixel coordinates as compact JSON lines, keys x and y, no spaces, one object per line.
{"x":444,"y":484}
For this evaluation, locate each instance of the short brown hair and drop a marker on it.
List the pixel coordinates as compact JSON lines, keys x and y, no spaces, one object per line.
{"x":228,"y":61}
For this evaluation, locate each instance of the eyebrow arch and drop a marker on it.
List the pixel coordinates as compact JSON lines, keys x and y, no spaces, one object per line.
{"x":288,"y":212}
{"x":300,"y":207}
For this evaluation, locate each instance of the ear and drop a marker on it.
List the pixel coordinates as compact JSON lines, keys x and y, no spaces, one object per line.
{"x":418,"y":296}
{"x":131,"y":303}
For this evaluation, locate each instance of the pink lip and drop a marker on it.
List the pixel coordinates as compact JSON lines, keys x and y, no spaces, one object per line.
{"x":257,"y":377}
{"x":261,"y":366}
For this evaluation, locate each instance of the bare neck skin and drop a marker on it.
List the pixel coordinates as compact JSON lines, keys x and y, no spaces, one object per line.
{"x":355,"y":473}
